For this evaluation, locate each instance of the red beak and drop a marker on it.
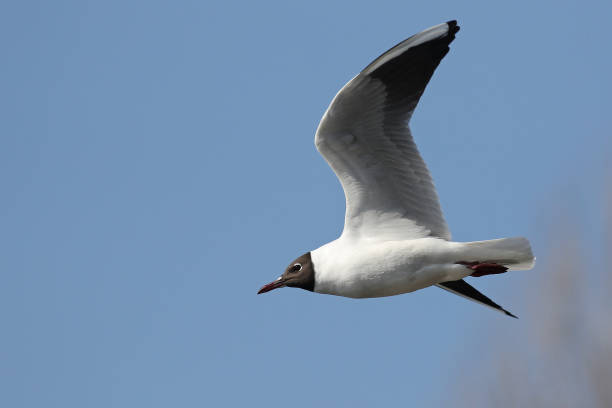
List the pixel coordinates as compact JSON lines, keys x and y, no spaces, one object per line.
{"x":279,"y":283}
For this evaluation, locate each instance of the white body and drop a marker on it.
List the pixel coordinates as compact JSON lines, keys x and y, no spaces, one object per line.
{"x":366,"y":268}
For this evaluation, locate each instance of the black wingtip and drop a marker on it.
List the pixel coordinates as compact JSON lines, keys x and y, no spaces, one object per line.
{"x":452,"y":25}
{"x":510,"y":314}
{"x":462,"y":288}
{"x":453,"y":28}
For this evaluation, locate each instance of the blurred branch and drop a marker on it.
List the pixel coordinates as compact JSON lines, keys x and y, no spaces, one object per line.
{"x":563,"y":356}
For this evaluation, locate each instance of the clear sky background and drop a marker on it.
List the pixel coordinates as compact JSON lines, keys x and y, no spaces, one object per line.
{"x":157,"y":167}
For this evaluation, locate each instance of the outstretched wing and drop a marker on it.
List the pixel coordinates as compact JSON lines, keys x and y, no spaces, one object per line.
{"x":364,"y":137}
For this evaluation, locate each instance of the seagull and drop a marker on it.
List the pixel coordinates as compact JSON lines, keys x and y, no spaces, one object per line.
{"x":395,"y":239}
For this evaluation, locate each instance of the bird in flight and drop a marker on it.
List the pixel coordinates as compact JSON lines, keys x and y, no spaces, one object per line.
{"x":395,"y":239}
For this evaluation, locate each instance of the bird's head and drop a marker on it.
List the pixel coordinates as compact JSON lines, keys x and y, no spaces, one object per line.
{"x":299,"y":274}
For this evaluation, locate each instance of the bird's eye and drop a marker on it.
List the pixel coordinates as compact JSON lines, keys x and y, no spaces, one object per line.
{"x":296,"y":267}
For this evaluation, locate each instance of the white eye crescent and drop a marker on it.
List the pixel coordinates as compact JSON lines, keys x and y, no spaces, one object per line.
{"x":296,"y":267}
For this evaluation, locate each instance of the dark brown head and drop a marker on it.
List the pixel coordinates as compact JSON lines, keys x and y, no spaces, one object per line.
{"x":299,"y":274}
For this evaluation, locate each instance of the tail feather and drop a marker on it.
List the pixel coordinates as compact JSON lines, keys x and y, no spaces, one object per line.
{"x":514,"y":253}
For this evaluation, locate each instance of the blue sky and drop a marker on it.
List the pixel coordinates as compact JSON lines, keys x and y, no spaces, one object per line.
{"x":157,"y":167}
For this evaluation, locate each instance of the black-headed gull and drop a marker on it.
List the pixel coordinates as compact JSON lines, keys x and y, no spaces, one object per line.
{"x":395,"y":239}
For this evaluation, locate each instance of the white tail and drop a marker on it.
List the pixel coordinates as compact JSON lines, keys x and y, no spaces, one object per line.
{"x":515,"y":253}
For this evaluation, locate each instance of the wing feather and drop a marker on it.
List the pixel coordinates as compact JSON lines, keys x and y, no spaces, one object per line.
{"x":364,"y":136}
{"x":464,"y":289}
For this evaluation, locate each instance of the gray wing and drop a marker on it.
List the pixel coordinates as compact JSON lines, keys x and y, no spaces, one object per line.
{"x":464,"y":289}
{"x":364,"y":137}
